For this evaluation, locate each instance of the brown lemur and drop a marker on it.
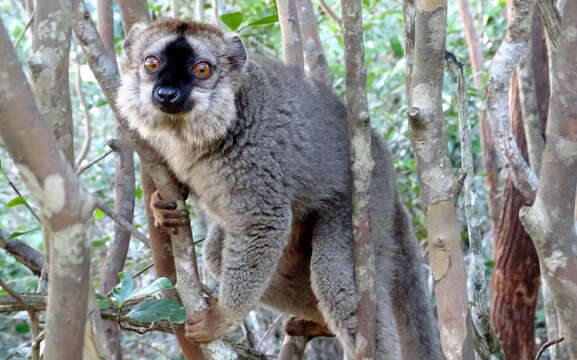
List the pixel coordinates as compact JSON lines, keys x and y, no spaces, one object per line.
{"x":265,"y":150}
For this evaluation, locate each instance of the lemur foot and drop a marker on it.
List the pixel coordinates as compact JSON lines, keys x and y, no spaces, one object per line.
{"x":210,"y":324}
{"x":301,"y":327}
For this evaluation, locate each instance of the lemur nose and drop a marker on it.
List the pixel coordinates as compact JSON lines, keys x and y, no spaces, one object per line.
{"x":167,"y":95}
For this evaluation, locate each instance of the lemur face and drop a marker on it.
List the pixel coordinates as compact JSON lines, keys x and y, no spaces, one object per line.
{"x":179,"y":73}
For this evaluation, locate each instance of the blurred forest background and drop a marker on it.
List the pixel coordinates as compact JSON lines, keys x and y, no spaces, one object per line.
{"x":520,"y":318}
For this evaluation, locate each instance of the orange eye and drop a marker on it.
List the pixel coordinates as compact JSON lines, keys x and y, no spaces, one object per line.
{"x":151,"y":63}
{"x":202,"y":70}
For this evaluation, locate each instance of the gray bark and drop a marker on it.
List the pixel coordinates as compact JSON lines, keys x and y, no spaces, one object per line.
{"x":64,"y":208}
{"x":425,"y":28}
{"x":290,"y":33}
{"x":314,"y":54}
{"x":550,"y":221}
{"x":49,"y":65}
{"x":362,"y":165}
{"x":507,"y":57}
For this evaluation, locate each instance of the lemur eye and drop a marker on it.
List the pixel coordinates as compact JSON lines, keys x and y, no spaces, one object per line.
{"x":202,"y":70}
{"x":151,"y":63}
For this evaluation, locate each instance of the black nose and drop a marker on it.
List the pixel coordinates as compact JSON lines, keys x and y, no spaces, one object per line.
{"x":167,"y":95}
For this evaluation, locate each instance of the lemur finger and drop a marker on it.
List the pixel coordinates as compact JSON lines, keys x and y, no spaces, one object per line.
{"x":164,"y":204}
{"x":172,"y":214}
{"x":157,"y":202}
{"x":193,"y":319}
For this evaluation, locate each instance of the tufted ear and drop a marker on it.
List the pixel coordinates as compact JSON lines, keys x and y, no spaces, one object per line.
{"x":135,"y":31}
{"x":236,"y":51}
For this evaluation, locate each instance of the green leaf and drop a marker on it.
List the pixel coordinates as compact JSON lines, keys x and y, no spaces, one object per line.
{"x":22,"y":328}
{"x":123,"y":290}
{"x":20,"y":233}
{"x":232,"y":20}
{"x":264,"y":21}
{"x":158,"y":309}
{"x":101,"y":103}
{"x":396,"y":46}
{"x":101,"y":242}
{"x":152,"y":288}
{"x":138,"y":193}
{"x":98,"y":214}
{"x":18,"y":200}
{"x":103,"y":302}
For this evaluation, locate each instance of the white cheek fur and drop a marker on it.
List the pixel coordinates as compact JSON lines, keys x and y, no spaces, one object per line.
{"x":211,"y":116}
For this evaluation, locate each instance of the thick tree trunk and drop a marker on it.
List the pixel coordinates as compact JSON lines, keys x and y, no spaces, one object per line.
{"x":515,"y":284}
{"x":550,"y":221}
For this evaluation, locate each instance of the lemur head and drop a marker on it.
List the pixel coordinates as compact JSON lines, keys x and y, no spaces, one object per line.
{"x":181,"y":75}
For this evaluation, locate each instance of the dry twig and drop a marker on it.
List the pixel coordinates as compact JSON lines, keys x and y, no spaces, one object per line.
{"x":546,"y":346}
{"x":93,"y":162}
{"x":122,"y":222}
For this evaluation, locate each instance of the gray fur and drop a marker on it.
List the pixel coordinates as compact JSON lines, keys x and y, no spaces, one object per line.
{"x":266,"y":152}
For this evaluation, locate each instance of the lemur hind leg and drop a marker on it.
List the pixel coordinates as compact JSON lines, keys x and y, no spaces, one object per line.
{"x":332,"y":269}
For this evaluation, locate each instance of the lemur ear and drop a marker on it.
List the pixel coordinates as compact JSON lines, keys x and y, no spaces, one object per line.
{"x":236,"y":51}
{"x":133,"y":34}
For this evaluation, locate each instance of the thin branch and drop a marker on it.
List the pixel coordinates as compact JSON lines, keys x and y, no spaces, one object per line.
{"x":268,"y":331}
{"x":547,"y":345}
{"x":35,"y":328}
{"x":473,"y":42}
{"x":13,"y":186}
{"x":142,"y":271}
{"x":314,"y":54}
{"x":504,"y":62}
{"x":330,"y":12}
{"x":93,"y":162}
{"x":200,"y":10}
{"x":248,"y":335}
{"x":121,"y":221}
{"x":23,"y":253}
{"x":215,"y":15}
{"x":28,"y":24}
{"x":362,"y":164}
{"x":290,"y":33}
{"x":175,"y":8}
{"x":137,"y":274}
{"x":105,"y":24}
{"x":87,"y":121}
{"x":488,"y":343}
